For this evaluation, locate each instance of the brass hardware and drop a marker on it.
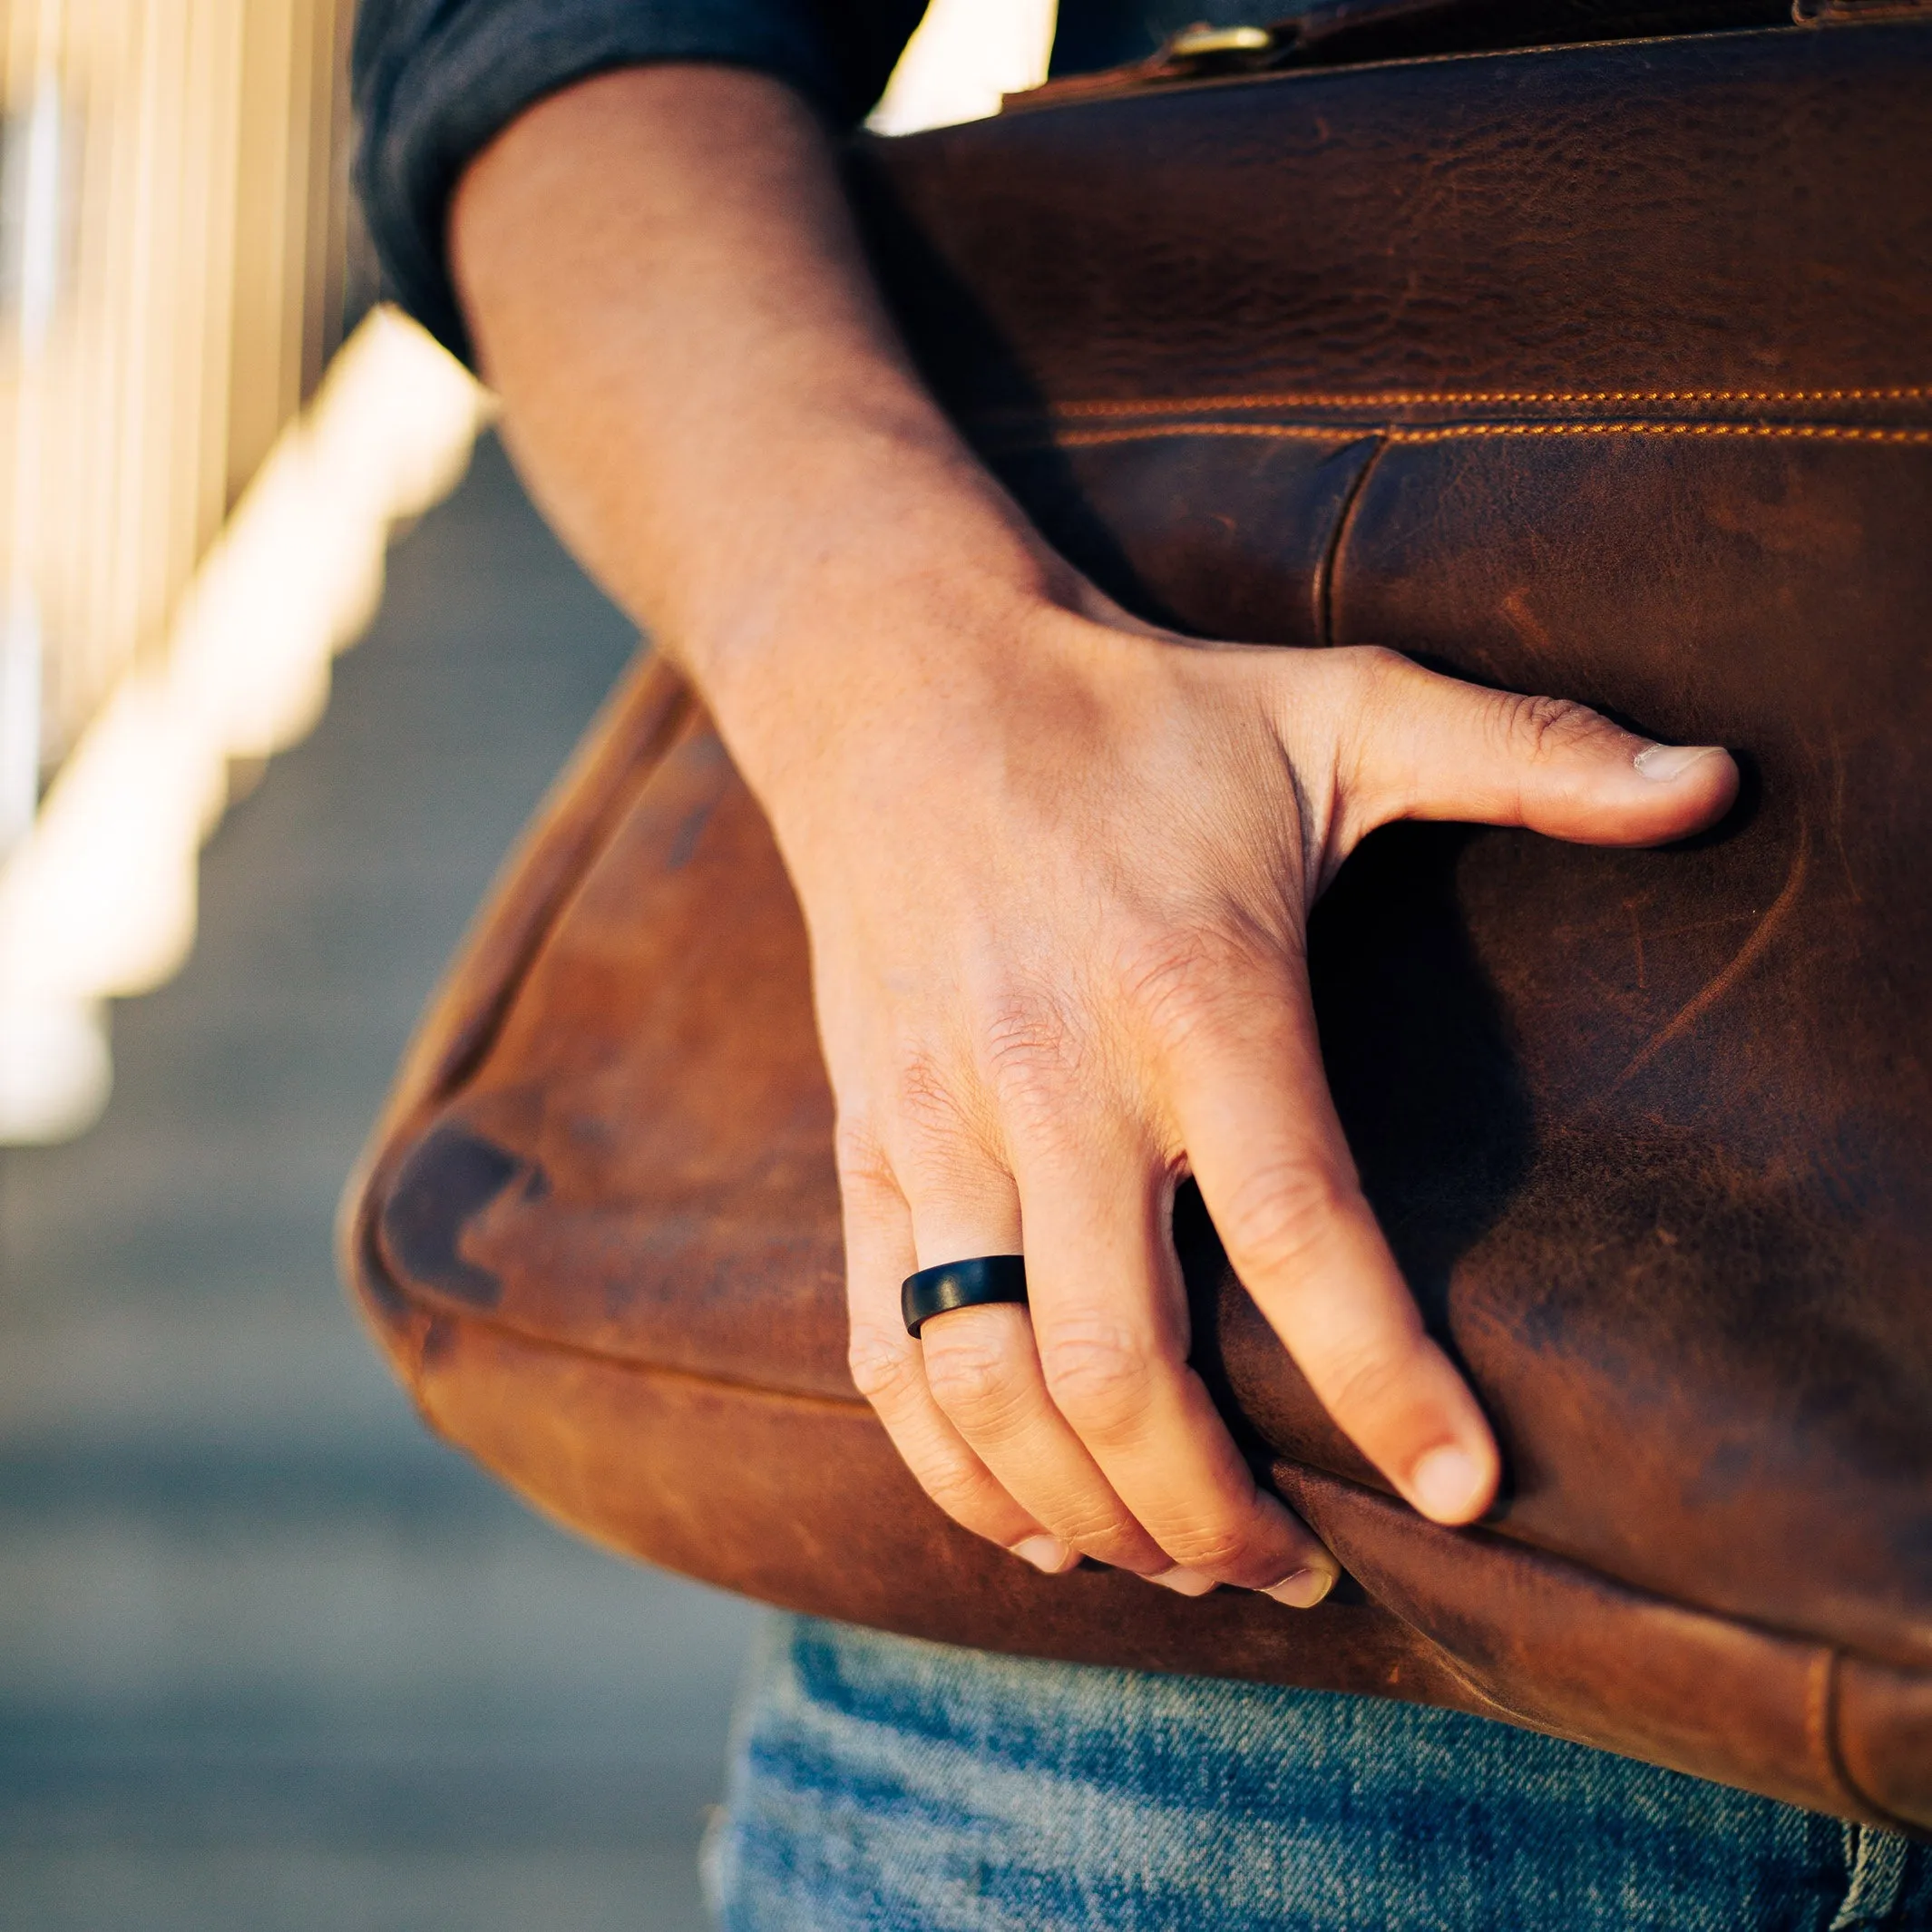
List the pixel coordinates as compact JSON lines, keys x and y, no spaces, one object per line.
{"x":1206,"y":42}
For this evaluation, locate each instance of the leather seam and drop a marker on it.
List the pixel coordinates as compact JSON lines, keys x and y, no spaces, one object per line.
{"x":1342,"y":433}
{"x":1820,"y":1701}
{"x":1801,"y":432}
{"x":1453,"y":431}
{"x":1331,"y":551}
{"x":1824,"y":1709}
{"x":1824,"y":1706}
{"x":857,"y":1407}
{"x":432,"y":1313}
{"x":1410,"y":398}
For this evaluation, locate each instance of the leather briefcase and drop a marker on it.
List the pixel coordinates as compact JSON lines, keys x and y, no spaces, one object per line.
{"x":1598,"y":370}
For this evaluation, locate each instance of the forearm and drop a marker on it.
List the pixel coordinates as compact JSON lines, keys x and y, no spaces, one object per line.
{"x":699,"y":382}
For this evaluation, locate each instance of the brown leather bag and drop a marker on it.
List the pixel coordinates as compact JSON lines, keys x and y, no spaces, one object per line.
{"x":1603,"y":370}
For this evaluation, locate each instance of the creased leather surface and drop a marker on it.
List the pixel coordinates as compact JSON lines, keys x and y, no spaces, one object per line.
{"x":1603,"y":371}
{"x":1522,"y":222}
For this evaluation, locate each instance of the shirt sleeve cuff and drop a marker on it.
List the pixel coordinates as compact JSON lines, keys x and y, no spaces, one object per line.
{"x":435,"y":82}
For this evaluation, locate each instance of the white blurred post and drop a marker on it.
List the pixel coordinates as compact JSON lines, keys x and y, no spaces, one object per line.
{"x":966,"y":56}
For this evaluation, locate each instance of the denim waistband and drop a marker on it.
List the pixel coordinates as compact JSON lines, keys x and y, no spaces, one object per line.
{"x":879,"y":1784}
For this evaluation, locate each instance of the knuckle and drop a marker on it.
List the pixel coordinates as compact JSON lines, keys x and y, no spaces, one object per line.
{"x":859,"y":1155}
{"x":1377,"y":689}
{"x":882,"y":1369}
{"x":1540,"y":728}
{"x":1368,"y":1382}
{"x":1378,"y":666}
{"x":965,"y":1492}
{"x":1030,"y":1050}
{"x":1372,"y":678}
{"x":1279,"y":1214}
{"x":938,"y":1149}
{"x":1097,"y":1527}
{"x":926,"y":1094}
{"x":1218,"y":1545}
{"x":1181,"y":980}
{"x":1162,"y":974}
{"x":1099,"y":1374}
{"x":973,"y":1377}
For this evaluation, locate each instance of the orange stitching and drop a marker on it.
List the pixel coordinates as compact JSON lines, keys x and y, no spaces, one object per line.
{"x":1812,"y":432}
{"x":1287,"y":432}
{"x":1402,"y":433}
{"x":1404,"y":398}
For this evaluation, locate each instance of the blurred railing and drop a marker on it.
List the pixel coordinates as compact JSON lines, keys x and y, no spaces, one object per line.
{"x":181,"y":549}
{"x":173,"y":260}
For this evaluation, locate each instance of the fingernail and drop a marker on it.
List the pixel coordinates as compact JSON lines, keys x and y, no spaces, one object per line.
{"x":1666,"y":762}
{"x":1303,"y":1590}
{"x":1044,"y":1553}
{"x":1447,"y":1484}
{"x":1183,"y":1582}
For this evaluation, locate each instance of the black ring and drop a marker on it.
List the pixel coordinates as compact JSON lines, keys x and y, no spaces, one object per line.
{"x":969,"y":1283}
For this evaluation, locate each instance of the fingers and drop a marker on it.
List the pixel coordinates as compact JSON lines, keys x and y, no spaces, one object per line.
{"x":1252,"y":1108}
{"x":1109,"y":1313}
{"x":984,"y":1371}
{"x":887,"y":1368}
{"x":1430,"y":746}
{"x":1010,"y":1455}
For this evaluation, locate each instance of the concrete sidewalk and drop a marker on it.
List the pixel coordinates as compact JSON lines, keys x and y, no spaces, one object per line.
{"x":269,"y":1657}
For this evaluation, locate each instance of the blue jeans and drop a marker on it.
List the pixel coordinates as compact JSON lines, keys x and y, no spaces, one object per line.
{"x":880,"y":1785}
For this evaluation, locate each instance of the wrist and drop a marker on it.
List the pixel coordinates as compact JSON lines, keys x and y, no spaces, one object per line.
{"x":867,"y":571}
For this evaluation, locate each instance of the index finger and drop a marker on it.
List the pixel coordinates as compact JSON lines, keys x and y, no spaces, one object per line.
{"x":1251,"y":1104}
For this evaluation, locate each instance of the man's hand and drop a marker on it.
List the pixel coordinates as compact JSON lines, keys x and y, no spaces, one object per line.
{"x":1057,"y":867}
{"x":1058,"y":874}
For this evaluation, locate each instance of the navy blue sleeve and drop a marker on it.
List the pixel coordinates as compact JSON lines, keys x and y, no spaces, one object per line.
{"x":434,"y":80}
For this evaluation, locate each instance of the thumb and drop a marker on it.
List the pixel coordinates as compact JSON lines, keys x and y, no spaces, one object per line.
{"x":1430,"y":746}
